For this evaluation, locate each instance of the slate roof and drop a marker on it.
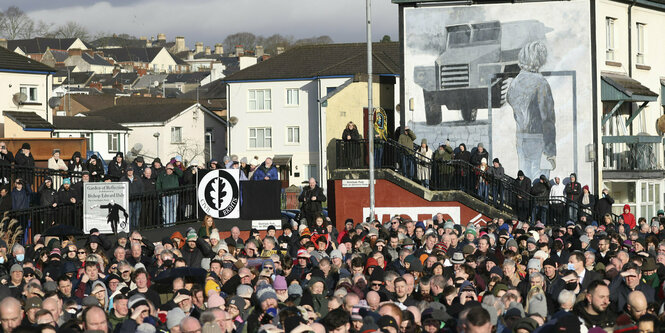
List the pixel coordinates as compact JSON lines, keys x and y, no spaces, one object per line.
{"x":147,"y":80}
{"x":90,"y":123}
{"x":136,"y":54}
{"x":627,"y":85}
{"x":78,"y":77}
{"x":95,"y":60}
{"x":94,"y":102}
{"x":104,"y":79}
{"x":126,"y":78}
{"x":213,"y":90}
{"x":142,"y":113}
{"x":117,"y":42}
{"x":10,"y":60}
{"x":194,"y":77}
{"x":40,"y":44}
{"x":59,"y":56}
{"x":28,"y":119}
{"x":323,"y":60}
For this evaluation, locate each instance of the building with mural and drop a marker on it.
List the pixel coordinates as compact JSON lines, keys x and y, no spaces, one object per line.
{"x":550,"y":88}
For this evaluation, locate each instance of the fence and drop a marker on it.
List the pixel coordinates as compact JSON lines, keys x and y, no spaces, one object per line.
{"x":147,"y":210}
{"x":503,"y":193}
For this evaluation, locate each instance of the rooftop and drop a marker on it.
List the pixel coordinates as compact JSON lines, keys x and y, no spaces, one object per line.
{"x":40,"y":44}
{"x":28,"y":120}
{"x":12,"y":61}
{"x":91,"y":123}
{"x":309,"y":61}
{"x":142,"y":113}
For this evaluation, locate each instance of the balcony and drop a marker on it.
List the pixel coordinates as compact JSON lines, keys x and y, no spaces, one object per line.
{"x":632,"y":153}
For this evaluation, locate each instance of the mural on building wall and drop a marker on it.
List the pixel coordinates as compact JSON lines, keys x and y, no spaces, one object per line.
{"x":484,"y":74}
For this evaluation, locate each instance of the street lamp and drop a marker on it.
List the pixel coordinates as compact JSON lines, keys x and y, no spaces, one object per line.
{"x":370,"y":108}
{"x":156,"y":135}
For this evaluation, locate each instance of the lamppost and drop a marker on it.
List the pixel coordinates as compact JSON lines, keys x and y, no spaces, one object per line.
{"x":156,"y":135}
{"x":370,"y":108}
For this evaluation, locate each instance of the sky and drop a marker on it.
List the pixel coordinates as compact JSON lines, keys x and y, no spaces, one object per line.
{"x":210,"y":21}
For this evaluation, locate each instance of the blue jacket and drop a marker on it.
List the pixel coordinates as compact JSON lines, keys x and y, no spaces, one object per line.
{"x":261,"y":172}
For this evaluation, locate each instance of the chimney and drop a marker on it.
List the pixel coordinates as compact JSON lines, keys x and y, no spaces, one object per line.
{"x":3,"y":42}
{"x":219,"y":48}
{"x":179,"y":44}
{"x":148,"y":43}
{"x":75,"y":52}
{"x":239,"y":50}
{"x":198,"y":47}
{"x":161,"y":37}
{"x":207,"y":51}
{"x":280,"y":50}
{"x":258,"y":51}
{"x":143,"y":38}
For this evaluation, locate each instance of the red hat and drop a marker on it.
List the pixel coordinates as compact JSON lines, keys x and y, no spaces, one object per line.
{"x":302,"y":253}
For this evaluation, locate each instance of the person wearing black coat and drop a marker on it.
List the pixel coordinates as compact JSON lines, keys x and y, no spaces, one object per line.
{"x":24,"y":158}
{"x":573,"y":190}
{"x":136,"y":186}
{"x":76,"y":163}
{"x":66,"y":194}
{"x":523,"y":185}
{"x":479,"y":154}
{"x":195,"y":250}
{"x":96,"y":169}
{"x":311,"y":197}
{"x":541,"y":190}
{"x":47,"y":194}
{"x":463,"y":172}
{"x":5,"y":200}
{"x":586,"y":204}
{"x":351,"y":146}
{"x":604,"y":204}
{"x":6,"y":160}
{"x":117,"y":168}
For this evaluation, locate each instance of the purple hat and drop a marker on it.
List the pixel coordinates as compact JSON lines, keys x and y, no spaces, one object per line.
{"x":279,"y":283}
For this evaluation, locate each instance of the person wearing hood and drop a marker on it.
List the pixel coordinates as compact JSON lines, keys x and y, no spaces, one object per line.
{"x":483,"y":179}
{"x":541,"y":191}
{"x":573,"y":191}
{"x":117,"y":168}
{"x":24,"y":159}
{"x":47,"y":194}
{"x":100,"y":292}
{"x":497,"y":175}
{"x":423,"y":170}
{"x":96,"y":169}
{"x":139,"y":165}
{"x":5,"y":199}
{"x":464,"y":171}
{"x":157,"y":168}
{"x":586,"y":203}
{"x":76,"y":163}
{"x":266,"y":171}
{"x":406,"y":139}
{"x":20,"y":195}
{"x":628,"y":217}
{"x":6,"y":160}
{"x":442,"y":166}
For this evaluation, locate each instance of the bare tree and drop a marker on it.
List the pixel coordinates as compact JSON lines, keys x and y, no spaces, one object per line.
{"x":246,"y":39}
{"x":16,"y":24}
{"x":314,"y":40}
{"x":190,"y":151}
{"x":271,"y":43}
{"x":72,"y":29}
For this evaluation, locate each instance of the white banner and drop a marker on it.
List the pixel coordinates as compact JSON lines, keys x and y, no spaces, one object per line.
{"x":106,"y":207}
{"x":264,"y":224}
{"x":218,"y":194}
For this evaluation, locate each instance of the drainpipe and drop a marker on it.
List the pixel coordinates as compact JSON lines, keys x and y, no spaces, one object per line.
{"x":630,"y":52}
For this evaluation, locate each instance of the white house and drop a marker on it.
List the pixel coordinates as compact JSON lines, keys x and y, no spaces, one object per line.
{"x":35,"y":47}
{"x":155,"y":59}
{"x":25,"y":87}
{"x":167,"y":130}
{"x":85,"y":62}
{"x":277,"y":105}
{"x":102,"y":135}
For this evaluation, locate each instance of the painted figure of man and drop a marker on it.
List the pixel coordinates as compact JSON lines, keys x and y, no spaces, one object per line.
{"x":530,"y":96}
{"x":114,"y":214}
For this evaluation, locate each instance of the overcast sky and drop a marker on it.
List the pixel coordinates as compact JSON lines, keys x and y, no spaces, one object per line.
{"x":210,"y":21}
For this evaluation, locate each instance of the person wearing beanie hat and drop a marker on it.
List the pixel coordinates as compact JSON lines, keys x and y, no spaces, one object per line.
{"x":533,"y":265}
{"x":295,"y":290}
{"x":174,"y":317}
{"x":215,"y":301}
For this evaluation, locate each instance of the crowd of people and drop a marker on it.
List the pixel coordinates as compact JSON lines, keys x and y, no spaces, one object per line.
{"x":62,"y":184}
{"x":397,"y":276}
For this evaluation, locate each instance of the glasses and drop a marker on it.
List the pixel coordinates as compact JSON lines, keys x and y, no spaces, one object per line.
{"x":125,"y":272}
{"x":377,"y":284}
{"x":270,"y":268}
{"x":81,"y":252}
{"x":30,"y":275}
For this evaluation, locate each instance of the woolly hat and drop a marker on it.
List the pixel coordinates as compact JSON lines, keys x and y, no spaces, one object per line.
{"x":538,"y":305}
{"x":496,"y":270}
{"x":549,"y":262}
{"x":279,"y":283}
{"x":534,"y":263}
{"x":265,"y":292}
{"x":527,"y":324}
{"x":511,"y":243}
{"x":174,"y":317}
{"x":214,"y":235}
{"x":514,"y":310}
{"x":136,"y":300}
{"x":215,"y":301}
{"x":295,"y":290}
{"x":336,"y":254}
{"x":191,"y":236}
{"x":449,"y":225}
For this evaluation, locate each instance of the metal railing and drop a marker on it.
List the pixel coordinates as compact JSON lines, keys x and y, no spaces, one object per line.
{"x":503,"y":193}
{"x":632,"y":156}
{"x":35,"y":176}
{"x":146,"y":211}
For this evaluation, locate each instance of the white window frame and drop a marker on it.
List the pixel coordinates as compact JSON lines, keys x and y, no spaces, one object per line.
{"x":610,"y":24}
{"x":114,"y":142}
{"x":176,"y":134}
{"x":88,"y":139}
{"x":31,"y":92}
{"x":253,"y":135}
{"x":254,"y":105}
{"x":290,"y":131}
{"x":640,"y":29}
{"x":290,"y":94}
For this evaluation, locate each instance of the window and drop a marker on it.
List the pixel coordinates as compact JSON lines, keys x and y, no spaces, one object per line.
{"x":260,"y":137}
{"x":31,"y":93}
{"x":609,"y":38}
{"x":176,"y":134}
{"x":330,"y":89}
{"x":114,"y":142}
{"x":639,"y":59}
{"x":293,"y":134}
{"x":88,"y":140}
{"x":259,"y":100}
{"x":292,"y":96}
{"x":311,"y":171}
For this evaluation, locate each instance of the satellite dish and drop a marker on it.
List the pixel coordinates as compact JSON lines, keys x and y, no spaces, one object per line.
{"x":19,"y":98}
{"x":155,"y":84}
{"x":136,"y":149}
{"x":233,"y":121}
{"x":54,"y":102}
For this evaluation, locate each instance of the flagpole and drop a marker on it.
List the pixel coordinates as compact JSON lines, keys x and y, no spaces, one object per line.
{"x":370,"y":109}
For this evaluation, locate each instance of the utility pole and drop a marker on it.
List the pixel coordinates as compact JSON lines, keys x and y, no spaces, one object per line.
{"x":370,"y":108}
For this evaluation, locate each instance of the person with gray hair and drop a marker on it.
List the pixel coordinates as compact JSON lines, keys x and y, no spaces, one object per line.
{"x":530,"y":96}
{"x":566,"y":300}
